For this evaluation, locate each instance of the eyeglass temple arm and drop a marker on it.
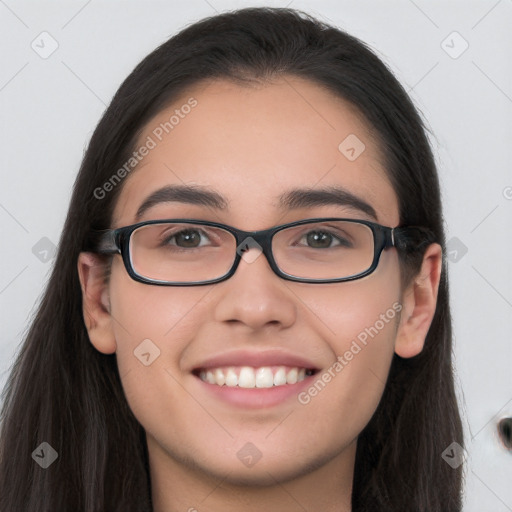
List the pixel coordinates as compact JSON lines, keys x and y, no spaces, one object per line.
{"x":412,"y":238}
{"x":106,"y":243}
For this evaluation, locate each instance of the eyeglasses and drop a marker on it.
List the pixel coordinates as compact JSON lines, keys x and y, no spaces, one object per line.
{"x":184,"y":252}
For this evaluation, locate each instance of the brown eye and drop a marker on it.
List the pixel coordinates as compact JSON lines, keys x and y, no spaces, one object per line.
{"x":324,"y":240}
{"x":187,"y":238}
{"x":319,"y":239}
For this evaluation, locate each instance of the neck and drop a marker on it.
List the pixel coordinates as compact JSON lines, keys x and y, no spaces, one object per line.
{"x":179,"y":486}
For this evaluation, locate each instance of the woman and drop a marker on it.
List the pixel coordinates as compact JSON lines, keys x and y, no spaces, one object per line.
{"x":249,"y":306}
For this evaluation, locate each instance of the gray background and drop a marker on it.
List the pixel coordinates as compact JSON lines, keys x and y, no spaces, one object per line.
{"x":50,"y":106}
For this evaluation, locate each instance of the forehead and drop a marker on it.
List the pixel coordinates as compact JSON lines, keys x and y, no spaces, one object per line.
{"x":253,"y":143}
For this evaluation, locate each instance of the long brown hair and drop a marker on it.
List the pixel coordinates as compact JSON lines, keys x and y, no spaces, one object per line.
{"x":64,"y":392}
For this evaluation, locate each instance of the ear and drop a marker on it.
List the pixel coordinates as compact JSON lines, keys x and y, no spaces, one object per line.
{"x":96,"y":302}
{"x":419,"y":302}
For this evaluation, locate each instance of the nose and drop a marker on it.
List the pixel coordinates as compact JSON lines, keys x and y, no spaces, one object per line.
{"x":254,"y":296}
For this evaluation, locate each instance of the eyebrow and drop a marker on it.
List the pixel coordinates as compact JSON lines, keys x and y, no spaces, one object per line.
{"x":191,"y":194}
{"x":338,"y":196}
{"x":291,"y":200}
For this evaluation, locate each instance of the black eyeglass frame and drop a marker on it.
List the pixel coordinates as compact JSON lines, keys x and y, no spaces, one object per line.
{"x":403,"y":238}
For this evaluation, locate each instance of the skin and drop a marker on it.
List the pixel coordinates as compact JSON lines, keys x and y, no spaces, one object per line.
{"x":250,"y":144}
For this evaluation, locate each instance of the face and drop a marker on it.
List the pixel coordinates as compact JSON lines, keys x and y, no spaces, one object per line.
{"x":251,"y":145}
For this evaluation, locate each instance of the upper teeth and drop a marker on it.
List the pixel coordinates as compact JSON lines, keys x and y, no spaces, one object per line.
{"x":249,"y":377}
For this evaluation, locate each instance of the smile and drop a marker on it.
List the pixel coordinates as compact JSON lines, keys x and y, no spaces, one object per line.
{"x":250,"y":377}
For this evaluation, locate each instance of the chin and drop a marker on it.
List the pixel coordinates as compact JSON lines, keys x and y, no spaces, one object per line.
{"x":263,"y":472}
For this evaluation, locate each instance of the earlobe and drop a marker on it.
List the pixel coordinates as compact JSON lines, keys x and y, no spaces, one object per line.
{"x":419,"y":304}
{"x":96,"y":303}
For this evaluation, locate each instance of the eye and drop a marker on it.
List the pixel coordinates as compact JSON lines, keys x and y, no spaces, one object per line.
{"x":324,"y":240}
{"x":187,"y":238}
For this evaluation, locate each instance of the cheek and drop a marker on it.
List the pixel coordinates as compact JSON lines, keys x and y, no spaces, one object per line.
{"x":347,"y":311}
{"x":153,"y":324}
{"x":344,"y":396}
{"x":359,"y":320}
{"x":143,"y":311}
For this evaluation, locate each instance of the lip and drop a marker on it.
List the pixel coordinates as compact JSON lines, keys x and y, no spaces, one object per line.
{"x":255,"y":359}
{"x":254,"y":398}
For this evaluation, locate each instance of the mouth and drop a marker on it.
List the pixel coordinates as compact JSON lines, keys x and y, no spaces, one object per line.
{"x":250,"y":377}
